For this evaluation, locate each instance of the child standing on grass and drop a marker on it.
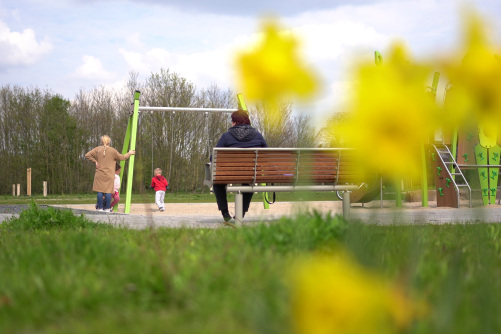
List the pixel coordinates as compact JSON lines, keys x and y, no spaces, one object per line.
{"x":115,"y":195}
{"x":159,"y":183}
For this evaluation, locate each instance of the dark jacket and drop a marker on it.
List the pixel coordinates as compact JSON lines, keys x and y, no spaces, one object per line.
{"x":241,"y":136}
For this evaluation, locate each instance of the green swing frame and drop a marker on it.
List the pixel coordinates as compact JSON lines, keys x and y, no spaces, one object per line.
{"x":131,"y":134}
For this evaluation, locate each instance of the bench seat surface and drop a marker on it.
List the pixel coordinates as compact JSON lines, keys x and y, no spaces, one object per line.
{"x":287,"y":166}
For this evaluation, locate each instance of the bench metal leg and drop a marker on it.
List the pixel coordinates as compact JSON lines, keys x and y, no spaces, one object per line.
{"x":239,"y":208}
{"x":346,"y":205}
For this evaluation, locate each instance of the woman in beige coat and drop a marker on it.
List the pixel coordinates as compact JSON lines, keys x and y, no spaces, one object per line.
{"x":105,"y":158}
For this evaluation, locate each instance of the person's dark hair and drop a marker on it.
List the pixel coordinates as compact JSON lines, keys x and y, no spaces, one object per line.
{"x":117,"y":166}
{"x":240,"y":117}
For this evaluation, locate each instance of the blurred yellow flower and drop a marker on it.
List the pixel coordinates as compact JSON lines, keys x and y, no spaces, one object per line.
{"x":333,"y":294}
{"x":272,"y":70}
{"x":391,"y":115}
{"x":476,"y":77}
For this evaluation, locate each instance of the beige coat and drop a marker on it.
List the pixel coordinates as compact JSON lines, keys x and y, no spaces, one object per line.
{"x":105,"y":175}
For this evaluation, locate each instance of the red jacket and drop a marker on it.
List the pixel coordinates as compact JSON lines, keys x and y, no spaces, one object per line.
{"x":159,"y":183}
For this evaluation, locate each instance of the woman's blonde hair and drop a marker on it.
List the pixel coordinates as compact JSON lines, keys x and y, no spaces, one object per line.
{"x":106,"y":140}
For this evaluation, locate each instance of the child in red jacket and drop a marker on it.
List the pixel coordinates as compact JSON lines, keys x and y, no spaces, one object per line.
{"x":159,"y":183}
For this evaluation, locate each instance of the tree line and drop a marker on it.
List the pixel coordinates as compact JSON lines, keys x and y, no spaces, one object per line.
{"x":41,"y":130}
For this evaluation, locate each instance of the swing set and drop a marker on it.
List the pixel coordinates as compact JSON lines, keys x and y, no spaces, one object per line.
{"x":131,"y":132}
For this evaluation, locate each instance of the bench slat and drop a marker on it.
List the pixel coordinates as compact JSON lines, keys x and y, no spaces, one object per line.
{"x":285,"y":166}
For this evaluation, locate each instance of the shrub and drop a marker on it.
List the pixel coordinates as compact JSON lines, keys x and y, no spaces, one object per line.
{"x":36,"y":218}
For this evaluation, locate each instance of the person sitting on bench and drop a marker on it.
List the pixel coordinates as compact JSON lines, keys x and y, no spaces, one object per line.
{"x":241,"y":135}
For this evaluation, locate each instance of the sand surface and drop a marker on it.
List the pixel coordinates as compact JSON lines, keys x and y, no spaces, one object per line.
{"x":257,"y":208}
{"x":210,"y":209}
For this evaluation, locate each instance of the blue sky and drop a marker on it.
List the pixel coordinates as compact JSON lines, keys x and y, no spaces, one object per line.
{"x":79,"y":44}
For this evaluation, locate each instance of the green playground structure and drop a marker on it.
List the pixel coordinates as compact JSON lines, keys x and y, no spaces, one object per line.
{"x":469,"y":148}
{"x":450,"y":158}
{"x":131,"y":132}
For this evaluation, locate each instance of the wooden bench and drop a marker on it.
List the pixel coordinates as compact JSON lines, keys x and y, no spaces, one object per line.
{"x":283,"y":170}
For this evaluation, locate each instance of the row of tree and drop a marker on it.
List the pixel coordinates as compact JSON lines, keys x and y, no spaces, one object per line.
{"x":41,"y":130}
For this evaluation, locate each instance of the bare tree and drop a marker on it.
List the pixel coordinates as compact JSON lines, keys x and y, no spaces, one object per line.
{"x":283,"y":128}
{"x":41,"y":130}
{"x":331,"y":135}
{"x":304,"y":133}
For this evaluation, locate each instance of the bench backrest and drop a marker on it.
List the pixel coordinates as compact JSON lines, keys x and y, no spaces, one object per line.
{"x":283,"y":166}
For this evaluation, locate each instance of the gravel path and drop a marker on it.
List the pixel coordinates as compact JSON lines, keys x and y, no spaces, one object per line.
{"x":206,"y":215}
{"x":16,"y":209}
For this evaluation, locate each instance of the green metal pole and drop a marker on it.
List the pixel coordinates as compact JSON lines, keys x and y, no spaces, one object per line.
{"x":398,"y":193}
{"x":243,"y":106}
{"x":434,"y":83}
{"x":424,"y":166}
{"x":424,"y":179}
{"x":125,"y":149}
{"x":241,"y":103}
{"x":378,"y":58}
{"x":454,"y":150}
{"x":133,"y":129}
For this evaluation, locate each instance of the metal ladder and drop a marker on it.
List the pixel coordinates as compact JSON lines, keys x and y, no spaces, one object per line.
{"x":448,"y":160}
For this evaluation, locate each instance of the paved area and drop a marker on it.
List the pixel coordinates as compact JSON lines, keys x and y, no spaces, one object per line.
{"x":205,"y":215}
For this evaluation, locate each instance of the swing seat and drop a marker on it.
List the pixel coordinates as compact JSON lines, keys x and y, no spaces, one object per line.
{"x":208,"y":174}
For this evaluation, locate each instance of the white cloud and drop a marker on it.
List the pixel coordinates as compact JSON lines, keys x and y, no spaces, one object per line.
{"x":134,"y":40}
{"x":92,"y":68}
{"x":329,"y":41}
{"x":202,"y":68}
{"x":135,"y":61}
{"x":21,"y":48}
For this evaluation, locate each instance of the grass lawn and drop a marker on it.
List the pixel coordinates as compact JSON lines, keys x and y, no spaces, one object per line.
{"x":149,"y":197}
{"x":172,"y":197}
{"x":64,"y":274}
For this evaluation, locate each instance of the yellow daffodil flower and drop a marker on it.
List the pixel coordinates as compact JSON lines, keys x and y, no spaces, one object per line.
{"x":272,"y":70}
{"x":475,"y":77}
{"x":391,"y":115}
{"x":333,"y":294}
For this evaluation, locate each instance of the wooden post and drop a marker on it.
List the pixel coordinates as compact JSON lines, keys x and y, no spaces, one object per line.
{"x":44,"y":188}
{"x":14,"y":190}
{"x":28,"y":185}
{"x":18,"y":190}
